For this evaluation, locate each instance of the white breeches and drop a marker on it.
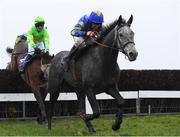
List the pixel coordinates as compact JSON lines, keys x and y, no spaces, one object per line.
{"x":39,"y":45}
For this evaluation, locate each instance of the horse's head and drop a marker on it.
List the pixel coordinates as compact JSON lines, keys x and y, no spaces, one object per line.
{"x":46,"y":60}
{"x":119,"y":37}
{"x":124,"y":38}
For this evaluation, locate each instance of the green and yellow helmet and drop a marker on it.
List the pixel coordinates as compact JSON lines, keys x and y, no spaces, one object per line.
{"x":39,"y":20}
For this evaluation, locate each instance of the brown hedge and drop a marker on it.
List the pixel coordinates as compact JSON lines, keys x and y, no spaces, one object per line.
{"x":149,"y":80}
{"x":12,"y":83}
{"x":130,"y":80}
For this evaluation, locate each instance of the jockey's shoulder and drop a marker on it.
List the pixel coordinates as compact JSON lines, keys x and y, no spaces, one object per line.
{"x":32,"y":29}
{"x":84,"y":19}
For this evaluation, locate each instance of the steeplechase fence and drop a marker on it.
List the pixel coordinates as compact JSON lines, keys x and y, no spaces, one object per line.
{"x":137,"y":96}
{"x":145,"y":91}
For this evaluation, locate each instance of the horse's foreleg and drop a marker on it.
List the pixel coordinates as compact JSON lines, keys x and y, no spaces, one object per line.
{"x":54,"y":86}
{"x":43,"y":93}
{"x":41,"y":105}
{"x":52,"y":101}
{"x":95,"y":108}
{"x":94,"y":105}
{"x":81,"y":102}
{"x":81,"y":112}
{"x":114,"y":92}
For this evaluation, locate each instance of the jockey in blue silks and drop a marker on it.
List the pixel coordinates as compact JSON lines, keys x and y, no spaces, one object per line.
{"x":87,"y":26}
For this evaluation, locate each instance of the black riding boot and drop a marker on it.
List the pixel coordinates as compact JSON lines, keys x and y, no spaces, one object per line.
{"x":66,"y":60}
{"x":26,"y":60}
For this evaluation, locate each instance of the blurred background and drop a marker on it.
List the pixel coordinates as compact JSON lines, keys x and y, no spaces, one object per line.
{"x":156,"y":25}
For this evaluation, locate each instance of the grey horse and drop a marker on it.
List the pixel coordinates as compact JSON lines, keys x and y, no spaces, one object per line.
{"x":95,"y":71}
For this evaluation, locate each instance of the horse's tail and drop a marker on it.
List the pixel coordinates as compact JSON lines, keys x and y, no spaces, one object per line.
{"x":9,"y":50}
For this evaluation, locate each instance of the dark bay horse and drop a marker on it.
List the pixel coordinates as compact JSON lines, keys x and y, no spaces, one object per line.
{"x":33,"y":75}
{"x":95,"y":71}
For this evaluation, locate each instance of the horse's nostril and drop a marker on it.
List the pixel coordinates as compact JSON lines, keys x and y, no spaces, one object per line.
{"x":131,"y":54}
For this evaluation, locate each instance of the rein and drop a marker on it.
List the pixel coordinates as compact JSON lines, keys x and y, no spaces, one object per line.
{"x":115,"y":39}
{"x":105,"y":46}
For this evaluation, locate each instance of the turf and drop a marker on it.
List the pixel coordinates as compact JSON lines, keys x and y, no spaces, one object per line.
{"x":162,"y":125}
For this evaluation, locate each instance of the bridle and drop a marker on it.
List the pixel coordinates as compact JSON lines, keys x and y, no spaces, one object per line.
{"x":115,"y":41}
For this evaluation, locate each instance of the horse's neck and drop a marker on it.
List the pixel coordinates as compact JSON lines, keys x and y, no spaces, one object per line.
{"x":107,"y":56}
{"x":21,"y":47}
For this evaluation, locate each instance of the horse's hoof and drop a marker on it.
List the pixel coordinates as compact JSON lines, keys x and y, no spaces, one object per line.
{"x":39,"y":121}
{"x":92,"y":129}
{"x":115,"y":127}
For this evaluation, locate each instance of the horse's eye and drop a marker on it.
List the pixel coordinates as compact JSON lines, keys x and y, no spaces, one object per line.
{"x":121,"y":35}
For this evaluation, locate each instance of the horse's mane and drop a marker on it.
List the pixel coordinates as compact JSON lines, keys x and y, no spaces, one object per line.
{"x":106,"y":29}
{"x":43,"y":55}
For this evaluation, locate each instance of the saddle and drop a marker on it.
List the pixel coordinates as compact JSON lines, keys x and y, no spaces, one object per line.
{"x":22,"y":60}
{"x":72,"y":63}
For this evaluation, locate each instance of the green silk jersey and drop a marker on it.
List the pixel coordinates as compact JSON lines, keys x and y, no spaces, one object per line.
{"x":33,"y":37}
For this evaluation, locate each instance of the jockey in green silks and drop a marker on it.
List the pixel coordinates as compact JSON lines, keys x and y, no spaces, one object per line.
{"x":37,"y":38}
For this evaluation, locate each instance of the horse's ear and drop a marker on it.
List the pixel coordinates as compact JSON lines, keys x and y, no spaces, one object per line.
{"x":130,"y":20}
{"x":120,"y":20}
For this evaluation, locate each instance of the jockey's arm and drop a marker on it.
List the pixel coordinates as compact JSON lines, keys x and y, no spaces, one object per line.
{"x":78,"y":33}
{"x":46,"y":40}
{"x":30,"y":39}
{"x":78,"y":30}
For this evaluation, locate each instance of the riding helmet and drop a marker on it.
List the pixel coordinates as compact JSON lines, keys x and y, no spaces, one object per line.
{"x":96,"y":17}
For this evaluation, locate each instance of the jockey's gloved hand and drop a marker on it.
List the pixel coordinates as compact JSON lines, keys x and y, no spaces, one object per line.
{"x":47,"y":51}
{"x":37,"y":50}
{"x":92,"y":34}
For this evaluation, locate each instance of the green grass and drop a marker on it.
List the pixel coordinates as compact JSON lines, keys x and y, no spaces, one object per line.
{"x":162,"y":125}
